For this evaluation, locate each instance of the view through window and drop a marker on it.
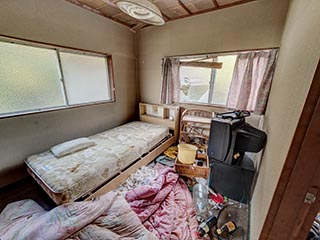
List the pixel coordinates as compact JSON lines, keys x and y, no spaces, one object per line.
{"x":207,"y":85}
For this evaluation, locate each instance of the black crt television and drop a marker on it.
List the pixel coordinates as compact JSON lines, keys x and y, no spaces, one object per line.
{"x":231,"y":170}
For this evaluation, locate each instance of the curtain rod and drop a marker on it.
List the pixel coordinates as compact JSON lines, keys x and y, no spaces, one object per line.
{"x":219,"y":53}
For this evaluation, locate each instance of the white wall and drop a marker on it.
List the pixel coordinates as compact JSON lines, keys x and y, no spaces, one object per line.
{"x":257,"y":24}
{"x":59,"y":22}
{"x":299,"y":56}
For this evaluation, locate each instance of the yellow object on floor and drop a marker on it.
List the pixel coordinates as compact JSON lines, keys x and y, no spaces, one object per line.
{"x":171,"y":152}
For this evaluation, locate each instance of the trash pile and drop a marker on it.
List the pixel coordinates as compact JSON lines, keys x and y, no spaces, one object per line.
{"x":217,"y":215}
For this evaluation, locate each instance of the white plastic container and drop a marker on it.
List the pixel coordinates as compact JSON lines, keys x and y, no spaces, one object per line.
{"x":187,"y":153}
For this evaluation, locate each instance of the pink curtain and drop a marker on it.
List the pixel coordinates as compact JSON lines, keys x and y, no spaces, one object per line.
{"x":251,"y":81}
{"x":170,"y":89}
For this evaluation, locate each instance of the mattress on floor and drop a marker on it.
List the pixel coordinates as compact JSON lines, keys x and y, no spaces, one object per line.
{"x":67,"y":178}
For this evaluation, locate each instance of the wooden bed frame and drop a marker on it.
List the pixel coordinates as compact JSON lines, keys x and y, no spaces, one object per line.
{"x":166,"y":115}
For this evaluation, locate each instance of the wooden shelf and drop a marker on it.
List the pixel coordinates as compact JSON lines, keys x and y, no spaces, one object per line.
{"x":195,"y":127}
{"x":195,"y":119}
{"x":195,"y":135}
{"x":167,"y":115}
{"x":163,"y":121}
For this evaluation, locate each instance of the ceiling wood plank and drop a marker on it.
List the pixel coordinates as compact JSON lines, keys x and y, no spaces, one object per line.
{"x":108,"y":2}
{"x":212,"y":9}
{"x":75,"y":2}
{"x":101,"y":6}
{"x":184,"y":7}
{"x":215,"y":3}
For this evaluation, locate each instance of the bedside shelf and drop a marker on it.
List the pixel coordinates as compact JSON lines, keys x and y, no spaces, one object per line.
{"x":167,"y":115}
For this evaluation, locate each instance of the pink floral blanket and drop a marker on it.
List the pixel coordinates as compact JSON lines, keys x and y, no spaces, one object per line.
{"x":165,"y":206}
{"x":107,"y":217}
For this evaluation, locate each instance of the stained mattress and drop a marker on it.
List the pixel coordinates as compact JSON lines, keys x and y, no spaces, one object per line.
{"x":67,"y":178}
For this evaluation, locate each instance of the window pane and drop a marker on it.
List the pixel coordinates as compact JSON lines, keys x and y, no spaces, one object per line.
{"x":223,"y":79}
{"x":86,"y":78}
{"x":194,"y":83}
{"x":29,"y":78}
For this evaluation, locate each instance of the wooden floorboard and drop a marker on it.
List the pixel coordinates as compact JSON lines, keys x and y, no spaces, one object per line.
{"x":26,"y":188}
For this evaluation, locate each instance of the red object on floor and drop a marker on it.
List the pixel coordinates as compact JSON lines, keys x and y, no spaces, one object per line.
{"x":218,"y":198}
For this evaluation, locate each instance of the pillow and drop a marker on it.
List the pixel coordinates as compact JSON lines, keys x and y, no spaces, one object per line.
{"x":72,"y":146}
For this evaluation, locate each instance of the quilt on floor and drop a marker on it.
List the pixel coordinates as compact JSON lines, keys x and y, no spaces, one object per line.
{"x":107,"y":217}
{"x":165,"y":206}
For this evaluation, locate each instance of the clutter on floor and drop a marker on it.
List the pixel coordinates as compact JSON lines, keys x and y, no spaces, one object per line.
{"x":214,"y":211}
{"x":155,"y":200}
{"x":218,"y":217}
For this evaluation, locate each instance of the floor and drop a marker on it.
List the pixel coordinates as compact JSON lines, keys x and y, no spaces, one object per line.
{"x":26,"y":188}
{"x":239,"y":213}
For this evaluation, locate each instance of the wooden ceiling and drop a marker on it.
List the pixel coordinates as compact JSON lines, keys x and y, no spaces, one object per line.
{"x":170,"y":9}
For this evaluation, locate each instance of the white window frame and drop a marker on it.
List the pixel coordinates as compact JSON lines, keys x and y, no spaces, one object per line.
{"x":58,"y":49}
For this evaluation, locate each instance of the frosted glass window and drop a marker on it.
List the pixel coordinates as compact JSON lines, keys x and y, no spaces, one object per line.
{"x":29,"y":78}
{"x":86,"y":78}
{"x":41,"y":77}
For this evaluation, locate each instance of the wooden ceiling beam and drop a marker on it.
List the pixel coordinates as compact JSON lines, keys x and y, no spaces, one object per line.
{"x":118,"y":14}
{"x":165,"y":16}
{"x":139,"y":26}
{"x":235,"y":3}
{"x":184,"y":7}
{"x":216,"y":4}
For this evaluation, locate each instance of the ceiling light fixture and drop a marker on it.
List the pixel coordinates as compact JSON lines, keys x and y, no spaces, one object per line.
{"x":142,"y":10}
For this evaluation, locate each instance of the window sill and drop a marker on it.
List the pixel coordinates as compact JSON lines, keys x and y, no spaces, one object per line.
{"x":53,"y":109}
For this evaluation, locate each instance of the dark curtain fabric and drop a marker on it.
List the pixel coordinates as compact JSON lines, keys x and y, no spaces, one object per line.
{"x":170,"y":88}
{"x":251,"y":81}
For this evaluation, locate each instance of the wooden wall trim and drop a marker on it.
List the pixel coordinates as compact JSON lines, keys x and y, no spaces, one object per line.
{"x":299,"y":137}
{"x":293,"y":210}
